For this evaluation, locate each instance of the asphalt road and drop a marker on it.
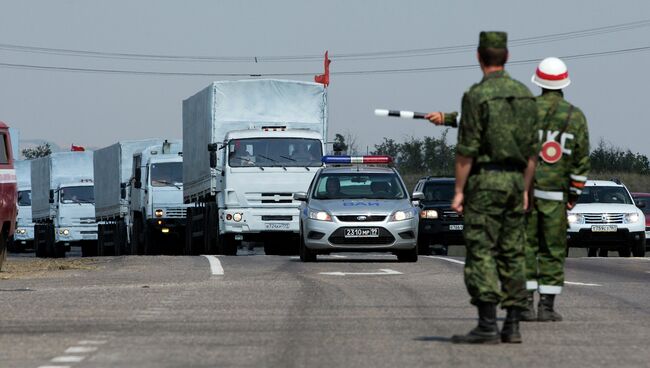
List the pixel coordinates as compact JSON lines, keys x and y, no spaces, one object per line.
{"x":273,"y":311}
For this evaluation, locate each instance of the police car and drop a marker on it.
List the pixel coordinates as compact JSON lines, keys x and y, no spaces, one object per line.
{"x":354,"y":207}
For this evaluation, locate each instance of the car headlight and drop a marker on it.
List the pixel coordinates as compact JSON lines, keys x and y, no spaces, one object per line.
{"x":159,"y":213}
{"x":429,"y":214}
{"x":575,"y":218}
{"x":631,"y":218}
{"x":319,"y":215}
{"x":402,"y":215}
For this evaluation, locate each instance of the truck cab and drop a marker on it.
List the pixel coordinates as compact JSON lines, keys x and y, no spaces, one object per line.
{"x":157,"y":208}
{"x":24,"y":236}
{"x":75,"y":221}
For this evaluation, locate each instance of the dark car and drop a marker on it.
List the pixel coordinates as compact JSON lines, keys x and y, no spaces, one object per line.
{"x":642,"y":201}
{"x":439,"y":226}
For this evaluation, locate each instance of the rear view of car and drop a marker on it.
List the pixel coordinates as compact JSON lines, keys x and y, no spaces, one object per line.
{"x":357,"y":208}
{"x":642,"y":200}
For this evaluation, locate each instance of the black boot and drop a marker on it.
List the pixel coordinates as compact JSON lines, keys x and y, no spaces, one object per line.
{"x":487,"y":331}
{"x":510,"y":332}
{"x":545,"y":311}
{"x":528,"y":314}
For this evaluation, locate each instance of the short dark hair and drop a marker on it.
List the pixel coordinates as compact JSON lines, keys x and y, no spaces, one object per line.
{"x":491,"y":56}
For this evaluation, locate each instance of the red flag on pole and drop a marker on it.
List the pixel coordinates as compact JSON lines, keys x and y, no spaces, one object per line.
{"x":77,"y":148}
{"x":324,"y":78}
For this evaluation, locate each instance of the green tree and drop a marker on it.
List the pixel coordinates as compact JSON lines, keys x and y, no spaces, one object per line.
{"x":38,"y":151}
{"x":609,"y":158}
{"x":388,"y":148}
{"x":339,"y":143}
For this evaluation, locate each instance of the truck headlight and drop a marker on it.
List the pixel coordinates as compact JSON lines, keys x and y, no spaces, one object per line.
{"x":631,"y":218}
{"x":320,"y":215}
{"x":429,"y":214}
{"x":237,"y":217}
{"x":159,"y":213}
{"x":575,"y":218}
{"x":402,"y":215}
{"x":64,"y":232}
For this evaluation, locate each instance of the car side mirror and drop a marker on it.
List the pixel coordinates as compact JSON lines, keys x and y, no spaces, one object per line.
{"x":213,"y":159}
{"x":51,"y":196}
{"x":417,"y":196}
{"x":300,"y":196}
{"x":640,"y":204}
{"x":123,"y":190}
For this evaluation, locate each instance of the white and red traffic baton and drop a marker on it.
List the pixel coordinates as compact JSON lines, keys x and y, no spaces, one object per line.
{"x":400,"y":114}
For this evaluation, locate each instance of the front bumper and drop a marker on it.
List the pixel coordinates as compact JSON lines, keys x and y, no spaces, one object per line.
{"x":75,"y":233}
{"x":440,"y":231}
{"x":329,"y":235}
{"x":167,"y":226}
{"x":26,"y":236}
{"x":623,"y":237}
{"x":260,"y":220}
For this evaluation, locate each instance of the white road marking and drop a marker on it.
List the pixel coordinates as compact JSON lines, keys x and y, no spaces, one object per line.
{"x":581,"y":283}
{"x":80,"y":349}
{"x":336,"y":256}
{"x":446,"y":259}
{"x":215,"y":265}
{"x":68,"y":359}
{"x":53,"y":366}
{"x":384,"y":271}
{"x":91,"y":342}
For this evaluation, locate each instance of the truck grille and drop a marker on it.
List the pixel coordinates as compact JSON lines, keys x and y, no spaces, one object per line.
{"x":88,"y":232}
{"x":276,"y":218}
{"x":269,"y":198}
{"x":175,"y":212}
{"x":603,"y":218}
{"x":361,"y":218}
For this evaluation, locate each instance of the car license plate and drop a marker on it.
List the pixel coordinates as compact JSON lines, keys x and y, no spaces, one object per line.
{"x":362,"y":232}
{"x":604,"y":228}
{"x":276,"y":226}
{"x":455,"y":227}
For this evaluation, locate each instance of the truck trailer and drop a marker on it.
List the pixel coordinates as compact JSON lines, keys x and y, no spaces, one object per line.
{"x":157,"y":209}
{"x":24,"y":235}
{"x":249,"y":146}
{"x":113,"y":167}
{"x":63,"y":204}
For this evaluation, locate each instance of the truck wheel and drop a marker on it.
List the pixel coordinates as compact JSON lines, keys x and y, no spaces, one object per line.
{"x":603,"y":252}
{"x":272,"y":249}
{"x":592,"y":252}
{"x":227,"y":245}
{"x":88,"y":248}
{"x":136,"y":237}
{"x":150,"y":245}
{"x":638,"y":249}
{"x":3,"y":250}
{"x":39,"y":246}
{"x":408,"y":255}
{"x":306,"y":254}
{"x":424,"y":246}
{"x":189,"y":228}
{"x":624,"y":252}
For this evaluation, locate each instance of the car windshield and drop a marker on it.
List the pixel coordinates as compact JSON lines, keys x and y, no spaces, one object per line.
{"x":25,"y":198}
{"x":85,"y":194}
{"x":605,"y":194}
{"x":359,"y":185}
{"x":438,"y":192}
{"x":645,"y":200}
{"x":167,"y":174}
{"x":275,"y":152}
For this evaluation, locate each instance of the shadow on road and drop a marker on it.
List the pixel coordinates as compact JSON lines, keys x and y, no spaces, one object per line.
{"x":433,"y":338}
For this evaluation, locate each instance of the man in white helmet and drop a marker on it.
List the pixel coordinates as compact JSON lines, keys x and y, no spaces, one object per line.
{"x":560,"y":175}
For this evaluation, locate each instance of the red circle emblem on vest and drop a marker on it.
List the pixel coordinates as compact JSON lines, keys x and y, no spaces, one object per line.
{"x":551,"y":152}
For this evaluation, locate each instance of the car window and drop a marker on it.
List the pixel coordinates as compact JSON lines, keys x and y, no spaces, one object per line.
{"x":25,"y":198}
{"x":438,"y":192}
{"x":605,"y":194}
{"x":359,"y":185}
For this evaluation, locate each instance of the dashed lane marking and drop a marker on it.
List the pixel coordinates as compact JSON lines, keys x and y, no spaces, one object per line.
{"x":382,"y":272}
{"x":80,"y":349}
{"x":580,"y":283}
{"x":215,"y":265}
{"x":68,"y":359}
{"x":53,"y":366}
{"x":446,"y":259}
{"x":91,"y":342}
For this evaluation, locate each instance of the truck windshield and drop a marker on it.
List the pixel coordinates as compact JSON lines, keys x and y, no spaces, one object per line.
{"x":605,"y":194}
{"x":167,"y":174}
{"x":279,"y":152}
{"x":438,"y":192}
{"x":4,"y":153}
{"x":359,"y":186}
{"x":25,"y":198}
{"x":85,"y":194}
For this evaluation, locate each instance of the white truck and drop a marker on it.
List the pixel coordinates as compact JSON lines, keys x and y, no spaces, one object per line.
{"x":249,"y":146}
{"x":63,"y":203}
{"x":157,"y":209}
{"x":24,"y":236}
{"x":113,"y":166}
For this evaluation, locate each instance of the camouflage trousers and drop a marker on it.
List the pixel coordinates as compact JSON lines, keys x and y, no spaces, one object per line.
{"x":494,"y":237}
{"x":546,"y":228}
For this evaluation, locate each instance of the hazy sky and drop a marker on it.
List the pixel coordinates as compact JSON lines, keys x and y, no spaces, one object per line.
{"x":97,"y":109}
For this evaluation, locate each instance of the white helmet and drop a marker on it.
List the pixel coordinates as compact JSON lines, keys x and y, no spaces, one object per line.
{"x":551,"y":73}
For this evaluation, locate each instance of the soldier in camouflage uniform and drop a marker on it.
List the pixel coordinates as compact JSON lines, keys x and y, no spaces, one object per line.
{"x":559,"y":178}
{"x":496,"y":156}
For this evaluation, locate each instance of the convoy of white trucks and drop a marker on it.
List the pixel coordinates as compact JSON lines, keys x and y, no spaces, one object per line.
{"x":63,"y":203}
{"x":249,"y":145}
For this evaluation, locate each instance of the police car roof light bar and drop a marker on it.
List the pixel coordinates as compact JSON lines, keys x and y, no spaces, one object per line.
{"x":348,"y":160}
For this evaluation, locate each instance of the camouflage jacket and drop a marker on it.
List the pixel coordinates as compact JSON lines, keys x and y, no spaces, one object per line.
{"x":565,"y":124}
{"x":498,"y":120}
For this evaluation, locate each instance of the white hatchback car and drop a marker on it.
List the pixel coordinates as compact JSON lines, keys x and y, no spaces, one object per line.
{"x":606,"y":218}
